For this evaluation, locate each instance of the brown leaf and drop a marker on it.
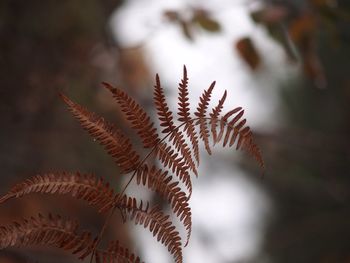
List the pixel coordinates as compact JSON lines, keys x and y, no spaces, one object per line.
{"x":186,"y":29}
{"x":171,"y":15}
{"x":248,"y":52}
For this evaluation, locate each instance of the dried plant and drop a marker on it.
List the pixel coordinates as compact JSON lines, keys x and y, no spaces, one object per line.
{"x":179,"y":159}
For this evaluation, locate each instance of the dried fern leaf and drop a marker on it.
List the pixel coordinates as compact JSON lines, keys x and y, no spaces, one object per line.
{"x":177,"y":139}
{"x":165,"y":117}
{"x":139,"y":119}
{"x":235,"y":131}
{"x":116,"y":254}
{"x":164,"y":114}
{"x":250,"y":146}
{"x":223,"y":122}
{"x":214,"y":115}
{"x":157,"y":223}
{"x":115,"y":143}
{"x":230,"y":126}
{"x":51,"y":231}
{"x":159,"y":181}
{"x":201,"y":114}
{"x":245,"y":141}
{"x":86,"y":187}
{"x":169,"y":158}
{"x":184,"y":114}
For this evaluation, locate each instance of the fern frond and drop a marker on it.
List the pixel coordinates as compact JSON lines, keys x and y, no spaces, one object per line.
{"x":177,"y":139}
{"x":164,"y":114}
{"x":214,"y":115}
{"x":201,"y":114}
{"x":116,"y":254}
{"x":139,"y":119}
{"x":235,"y":131}
{"x":184,"y":113}
{"x":165,"y":117}
{"x":159,"y":181}
{"x":51,"y":231}
{"x":87,"y":187}
{"x":115,"y":143}
{"x":184,"y":110}
{"x":157,"y":223}
{"x":246,"y":139}
{"x":169,"y":158}
{"x":223,"y":122}
{"x":230,"y":126}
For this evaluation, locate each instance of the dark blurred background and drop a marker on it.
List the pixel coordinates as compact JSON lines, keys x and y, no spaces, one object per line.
{"x":68,"y":46}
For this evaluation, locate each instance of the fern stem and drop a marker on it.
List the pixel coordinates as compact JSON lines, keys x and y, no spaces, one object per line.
{"x":103,"y":229}
{"x":120,"y":196}
{"x":149,"y":154}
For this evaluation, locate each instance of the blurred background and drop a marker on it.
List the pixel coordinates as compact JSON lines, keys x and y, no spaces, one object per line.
{"x":286,"y":62}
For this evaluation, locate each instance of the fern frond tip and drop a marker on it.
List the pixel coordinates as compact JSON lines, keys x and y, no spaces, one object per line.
{"x":65,"y":99}
{"x":108,"y":86}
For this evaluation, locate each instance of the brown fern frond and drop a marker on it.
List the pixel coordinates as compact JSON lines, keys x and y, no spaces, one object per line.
{"x":177,"y":139}
{"x":159,"y":181}
{"x":244,"y":140}
{"x":223,"y":122}
{"x":184,"y":113}
{"x":86,"y":187}
{"x":235,"y":131}
{"x":169,"y":158}
{"x":214,"y":115}
{"x":115,"y":253}
{"x":201,"y":114}
{"x":50,"y":231}
{"x":177,"y":151}
{"x":231,"y":126}
{"x":139,"y":119}
{"x":184,"y":110}
{"x":164,"y":114}
{"x":165,"y":117}
{"x":158,"y":224}
{"x":115,"y":143}
{"x":250,"y":146}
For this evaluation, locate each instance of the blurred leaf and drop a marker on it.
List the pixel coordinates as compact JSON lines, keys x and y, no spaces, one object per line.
{"x":171,"y":15}
{"x":200,"y":17}
{"x":256,"y":16}
{"x":302,"y":27}
{"x":273,"y":19}
{"x":303,"y":31}
{"x":280,"y":34}
{"x":185,"y":27}
{"x":203,"y":19}
{"x":270,"y":15}
{"x":209,"y":24}
{"x":248,"y":52}
{"x":175,"y":17}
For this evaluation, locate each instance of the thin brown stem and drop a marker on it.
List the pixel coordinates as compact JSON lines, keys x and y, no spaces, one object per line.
{"x":118,"y":196}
